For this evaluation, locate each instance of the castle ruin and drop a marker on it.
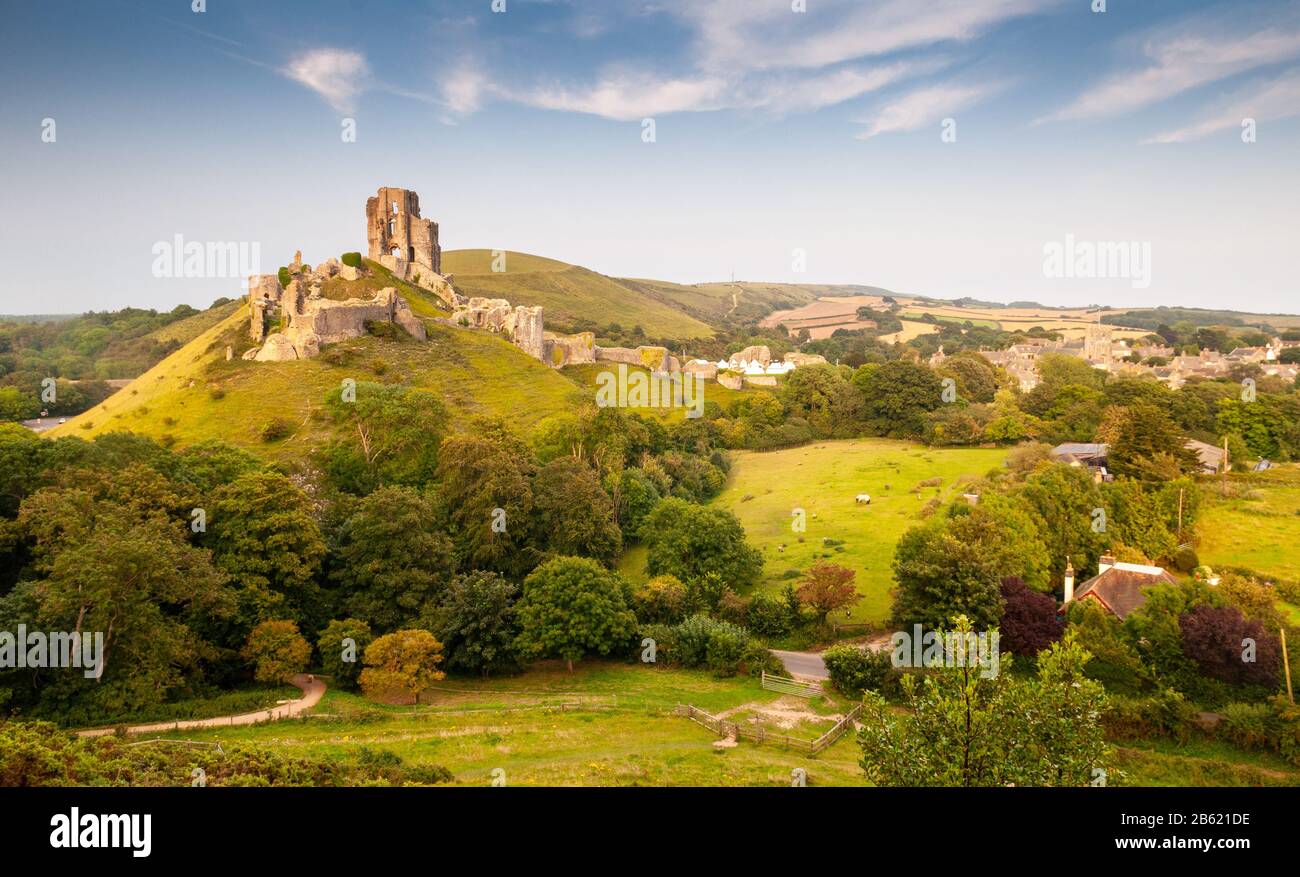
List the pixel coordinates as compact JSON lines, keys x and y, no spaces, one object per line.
{"x":398,"y":237}
{"x":308,"y":311}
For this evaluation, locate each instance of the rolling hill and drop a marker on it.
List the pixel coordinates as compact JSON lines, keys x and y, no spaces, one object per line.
{"x":196,"y":394}
{"x":569,"y":293}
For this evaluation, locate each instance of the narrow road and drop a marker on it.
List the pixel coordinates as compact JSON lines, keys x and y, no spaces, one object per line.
{"x":312,"y":692}
{"x":809,"y":665}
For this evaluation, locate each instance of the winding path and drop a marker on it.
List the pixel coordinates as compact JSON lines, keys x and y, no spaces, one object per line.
{"x":313,"y":689}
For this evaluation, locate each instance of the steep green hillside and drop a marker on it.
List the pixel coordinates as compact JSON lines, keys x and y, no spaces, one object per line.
{"x":196,"y":394}
{"x":569,"y":293}
{"x":186,"y":330}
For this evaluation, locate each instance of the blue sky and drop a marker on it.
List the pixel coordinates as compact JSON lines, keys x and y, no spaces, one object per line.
{"x":777,"y":133}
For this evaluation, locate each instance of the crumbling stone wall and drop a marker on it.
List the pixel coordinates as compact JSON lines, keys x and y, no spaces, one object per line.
{"x":562,"y":350}
{"x":311,"y":320}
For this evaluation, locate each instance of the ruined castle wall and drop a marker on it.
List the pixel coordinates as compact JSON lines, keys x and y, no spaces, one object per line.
{"x":393,"y":221}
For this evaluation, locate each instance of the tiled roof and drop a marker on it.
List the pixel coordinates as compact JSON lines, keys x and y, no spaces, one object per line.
{"x":1120,"y":590}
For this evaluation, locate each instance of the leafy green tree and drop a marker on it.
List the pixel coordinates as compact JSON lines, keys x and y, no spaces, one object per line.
{"x":818,"y":395}
{"x":388,"y":434}
{"x":276,"y":650}
{"x":485,"y":495}
{"x":634,"y":495}
{"x":897,"y":396}
{"x":572,"y":606}
{"x":392,"y":561}
{"x":1270,"y":425}
{"x":401,"y":664}
{"x":966,"y":729}
{"x":690,"y":541}
{"x":976,"y":381}
{"x":477,"y":624}
{"x":263,"y":533}
{"x":342,"y":646}
{"x":1007,"y":530}
{"x":1137,"y":518}
{"x":1065,"y":500}
{"x":1150,"y":445}
{"x":142,"y":586}
{"x":943,"y":570}
{"x":575,"y":513}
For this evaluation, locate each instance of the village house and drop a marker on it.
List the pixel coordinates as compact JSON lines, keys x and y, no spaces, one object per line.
{"x":1117,"y":587}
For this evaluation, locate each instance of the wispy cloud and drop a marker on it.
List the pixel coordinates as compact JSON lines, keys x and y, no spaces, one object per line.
{"x":337,"y":75}
{"x":924,"y":106}
{"x":1278,"y":98}
{"x":630,"y":96}
{"x":766,"y":35}
{"x":1197,"y":52}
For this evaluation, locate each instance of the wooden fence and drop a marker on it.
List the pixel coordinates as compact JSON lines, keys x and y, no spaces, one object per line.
{"x":759,"y":734}
{"x":790,"y":686}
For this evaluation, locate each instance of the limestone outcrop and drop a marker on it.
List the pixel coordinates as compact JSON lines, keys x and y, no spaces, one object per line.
{"x":798,"y":359}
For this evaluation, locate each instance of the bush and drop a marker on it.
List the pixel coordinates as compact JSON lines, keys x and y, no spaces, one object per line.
{"x":661,"y":601}
{"x":1166,"y":714}
{"x":767,"y":616}
{"x":854,"y":670}
{"x":352,"y":260}
{"x":700,"y":641}
{"x":1185,"y":560}
{"x":285,"y":277}
{"x":1274,"y":726}
{"x":277,"y":428}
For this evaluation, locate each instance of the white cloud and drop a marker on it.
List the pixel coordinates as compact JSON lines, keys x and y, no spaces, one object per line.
{"x":1274,"y":99}
{"x":462,"y":90}
{"x":337,"y":75}
{"x":765,"y":34}
{"x":1196,"y":53}
{"x":923,"y":107}
{"x":627,"y":97}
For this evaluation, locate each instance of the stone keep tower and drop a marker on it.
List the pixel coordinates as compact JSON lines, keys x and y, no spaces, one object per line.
{"x":396,"y":233}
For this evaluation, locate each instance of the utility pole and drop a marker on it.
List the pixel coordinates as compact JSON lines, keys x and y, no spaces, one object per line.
{"x":1223,"y":467}
{"x":1180,"y":515}
{"x":1286,"y":662}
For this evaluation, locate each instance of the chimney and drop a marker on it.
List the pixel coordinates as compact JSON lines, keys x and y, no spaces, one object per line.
{"x":1069,"y":581}
{"x":1105,"y":563}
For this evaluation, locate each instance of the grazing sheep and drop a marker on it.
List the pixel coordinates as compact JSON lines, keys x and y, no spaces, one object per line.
{"x":863,"y":499}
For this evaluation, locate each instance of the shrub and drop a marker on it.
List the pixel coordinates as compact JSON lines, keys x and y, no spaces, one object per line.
{"x":1274,"y":725}
{"x":701,"y":641}
{"x":277,"y":428}
{"x":1185,"y":560}
{"x":1213,"y":637}
{"x":1029,"y":622}
{"x":854,"y":670}
{"x":285,"y":277}
{"x":352,"y":260}
{"x":661,"y":601}
{"x":1165,"y":714}
{"x":767,"y":616}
